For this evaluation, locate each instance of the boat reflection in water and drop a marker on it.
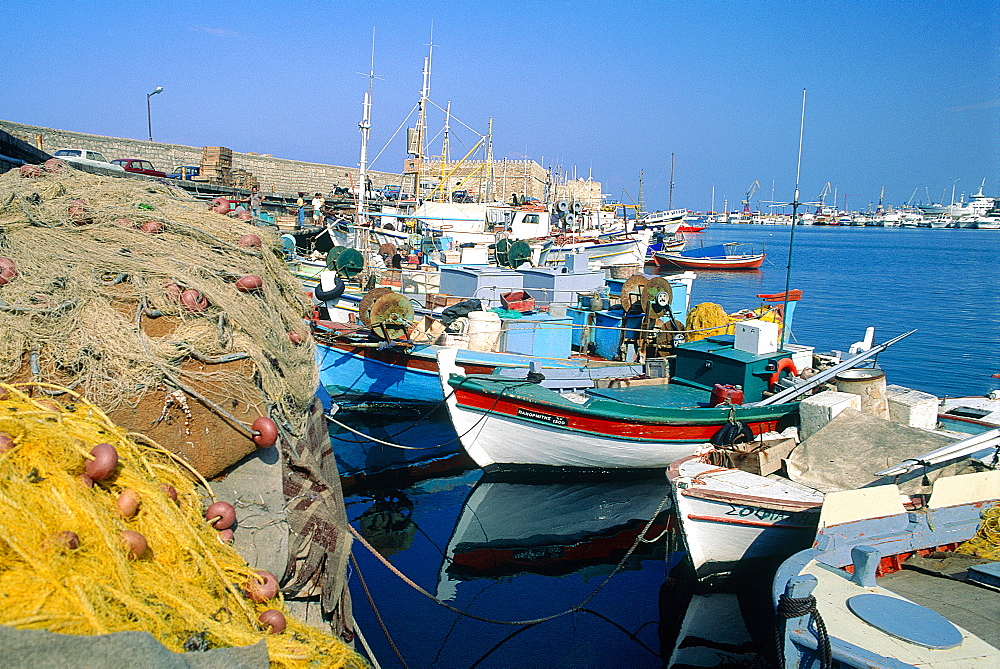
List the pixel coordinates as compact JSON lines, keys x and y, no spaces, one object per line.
{"x":554,"y":529}
{"x":424,"y":445}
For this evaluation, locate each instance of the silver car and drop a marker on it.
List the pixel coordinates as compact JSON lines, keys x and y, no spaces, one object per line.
{"x":87,"y":157}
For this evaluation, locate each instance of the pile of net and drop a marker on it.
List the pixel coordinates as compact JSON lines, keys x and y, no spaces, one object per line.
{"x":64,"y":567}
{"x":711,"y":320}
{"x":136,"y":295}
{"x":986,"y":542}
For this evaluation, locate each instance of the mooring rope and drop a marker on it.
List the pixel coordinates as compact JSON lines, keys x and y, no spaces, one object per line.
{"x":574,"y":609}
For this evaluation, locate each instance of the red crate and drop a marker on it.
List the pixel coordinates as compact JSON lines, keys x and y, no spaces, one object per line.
{"x":517,"y":300}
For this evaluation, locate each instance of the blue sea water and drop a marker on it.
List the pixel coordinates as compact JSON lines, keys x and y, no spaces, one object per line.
{"x":521,"y":551}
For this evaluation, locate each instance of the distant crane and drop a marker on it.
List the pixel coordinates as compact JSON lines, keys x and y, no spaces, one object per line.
{"x":746,"y":200}
{"x":822,"y":197}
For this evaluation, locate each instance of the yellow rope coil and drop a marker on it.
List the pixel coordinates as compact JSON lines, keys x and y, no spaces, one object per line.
{"x":986,"y":542}
{"x":188,"y":583}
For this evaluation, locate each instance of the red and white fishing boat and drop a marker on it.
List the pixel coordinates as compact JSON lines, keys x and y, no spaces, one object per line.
{"x":729,"y":256}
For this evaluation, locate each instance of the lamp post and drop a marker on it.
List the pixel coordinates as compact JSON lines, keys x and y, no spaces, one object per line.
{"x":149,"y":121}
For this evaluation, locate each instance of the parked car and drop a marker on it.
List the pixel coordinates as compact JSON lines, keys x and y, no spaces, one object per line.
{"x":137,"y":166}
{"x":185,"y":172}
{"x":86,"y":157}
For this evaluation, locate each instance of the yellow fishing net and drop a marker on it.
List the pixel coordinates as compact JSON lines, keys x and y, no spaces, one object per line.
{"x":711,"y":320}
{"x":986,"y":542}
{"x":188,"y":585}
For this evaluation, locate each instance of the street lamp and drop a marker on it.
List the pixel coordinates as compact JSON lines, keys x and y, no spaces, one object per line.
{"x":149,"y":122}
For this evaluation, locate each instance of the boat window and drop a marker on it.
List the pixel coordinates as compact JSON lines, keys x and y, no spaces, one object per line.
{"x":968,"y":412}
{"x":531,"y":219}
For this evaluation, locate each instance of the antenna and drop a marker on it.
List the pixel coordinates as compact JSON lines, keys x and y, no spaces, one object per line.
{"x":791,"y":238}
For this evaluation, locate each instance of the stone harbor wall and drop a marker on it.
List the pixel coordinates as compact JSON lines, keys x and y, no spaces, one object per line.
{"x":277,"y":176}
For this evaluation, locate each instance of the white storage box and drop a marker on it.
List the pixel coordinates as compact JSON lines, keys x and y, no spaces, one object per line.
{"x":757,"y":337}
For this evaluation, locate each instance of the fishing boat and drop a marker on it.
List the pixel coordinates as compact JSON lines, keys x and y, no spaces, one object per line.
{"x":733,"y":520}
{"x":882,"y":585}
{"x":507,"y":424}
{"x":729,"y":256}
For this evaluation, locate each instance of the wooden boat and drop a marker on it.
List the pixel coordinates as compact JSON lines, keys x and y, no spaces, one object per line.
{"x":868,"y":579}
{"x":511,"y":425}
{"x":733,"y":521}
{"x":729,"y":256}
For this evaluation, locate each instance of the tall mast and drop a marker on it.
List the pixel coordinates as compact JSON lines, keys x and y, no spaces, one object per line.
{"x":365,"y":125}
{"x":445,"y":149}
{"x":791,"y":237}
{"x":489,"y":164}
{"x":670,"y":202}
{"x":425,"y":93}
{"x":642,"y":203}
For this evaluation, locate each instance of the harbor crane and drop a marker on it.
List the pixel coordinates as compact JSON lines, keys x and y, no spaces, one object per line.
{"x":746,"y":200}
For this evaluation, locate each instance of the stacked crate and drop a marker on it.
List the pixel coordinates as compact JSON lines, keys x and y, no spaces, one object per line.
{"x":217,"y":165}
{"x":240,"y":178}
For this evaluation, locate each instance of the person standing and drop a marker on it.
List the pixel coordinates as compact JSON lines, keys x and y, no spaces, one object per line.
{"x":317,"y":204}
{"x":255,"y":199}
{"x":301,"y":204}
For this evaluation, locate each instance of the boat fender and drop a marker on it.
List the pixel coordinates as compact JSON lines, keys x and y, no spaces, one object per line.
{"x":785,"y":364}
{"x":562,"y":206}
{"x":329,"y":295}
{"x":733,"y":432}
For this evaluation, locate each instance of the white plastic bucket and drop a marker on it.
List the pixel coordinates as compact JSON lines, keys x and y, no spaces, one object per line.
{"x":484,"y":331}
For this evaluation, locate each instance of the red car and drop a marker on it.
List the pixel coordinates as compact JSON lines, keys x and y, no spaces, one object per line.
{"x":139,"y":167}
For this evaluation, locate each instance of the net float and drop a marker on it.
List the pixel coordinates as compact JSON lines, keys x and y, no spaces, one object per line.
{"x":250,"y":242}
{"x":103,"y":462}
{"x":220,"y":515}
{"x":152,"y":227}
{"x":219,"y":205}
{"x":134,"y":543}
{"x":31,"y":171}
{"x":274,"y":619}
{"x":295,"y":337}
{"x":244,"y":216}
{"x":6,"y":442}
{"x":193,"y":300}
{"x":172,"y":291}
{"x":265,"y":432}
{"x":262,"y":586}
{"x":251,"y":283}
{"x":226,"y":536}
{"x":127,"y":503}
{"x":55,"y":165}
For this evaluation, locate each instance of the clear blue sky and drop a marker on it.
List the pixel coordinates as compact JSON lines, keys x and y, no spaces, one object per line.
{"x":900,"y":93}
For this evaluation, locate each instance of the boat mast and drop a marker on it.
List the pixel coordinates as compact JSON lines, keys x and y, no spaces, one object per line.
{"x":365,"y":125}
{"x":791,"y":236}
{"x":670,"y":201}
{"x":642,"y":200}
{"x":489,"y":163}
{"x":445,"y":151}
{"x":417,"y":150}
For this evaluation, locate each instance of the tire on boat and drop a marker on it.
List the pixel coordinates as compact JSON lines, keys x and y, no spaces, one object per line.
{"x":332,"y":294}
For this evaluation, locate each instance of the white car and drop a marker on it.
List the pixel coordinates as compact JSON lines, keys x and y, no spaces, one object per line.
{"x":87,"y":157}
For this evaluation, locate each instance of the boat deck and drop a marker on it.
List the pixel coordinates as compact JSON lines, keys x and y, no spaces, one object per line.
{"x":972,"y":607}
{"x":667,"y":395}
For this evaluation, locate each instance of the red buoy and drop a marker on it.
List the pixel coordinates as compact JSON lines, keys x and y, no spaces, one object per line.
{"x":193,"y":300}
{"x":265,"y":432}
{"x":152,"y":227}
{"x":251,"y":283}
{"x":250,"y":242}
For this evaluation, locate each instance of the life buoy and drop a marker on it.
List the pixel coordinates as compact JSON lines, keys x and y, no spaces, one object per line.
{"x":328,"y":295}
{"x":783,"y":365}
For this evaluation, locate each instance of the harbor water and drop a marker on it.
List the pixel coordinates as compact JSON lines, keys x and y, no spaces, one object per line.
{"x":592,"y":570}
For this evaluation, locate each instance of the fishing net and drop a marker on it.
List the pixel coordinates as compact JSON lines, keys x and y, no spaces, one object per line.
{"x":711,"y":320}
{"x":95,"y":307}
{"x":986,"y":542}
{"x":187,"y":589}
